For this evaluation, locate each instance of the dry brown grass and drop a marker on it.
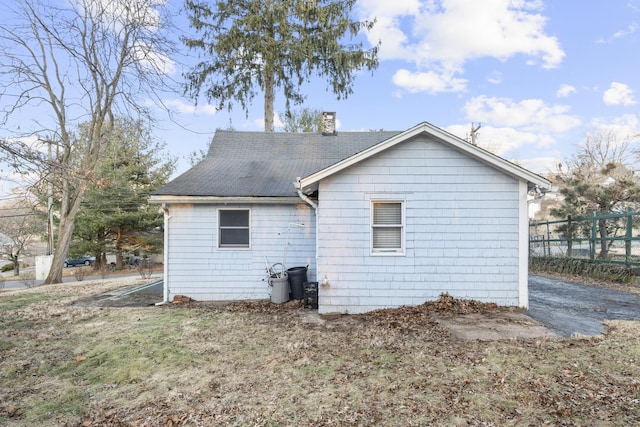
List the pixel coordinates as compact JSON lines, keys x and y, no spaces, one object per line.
{"x":65,"y":364}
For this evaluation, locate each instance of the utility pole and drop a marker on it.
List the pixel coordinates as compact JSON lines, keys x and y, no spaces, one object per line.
{"x":474,"y":133}
{"x":49,"y":207}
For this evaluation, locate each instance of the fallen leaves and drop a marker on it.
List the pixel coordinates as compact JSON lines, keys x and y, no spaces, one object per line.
{"x":263,"y":306}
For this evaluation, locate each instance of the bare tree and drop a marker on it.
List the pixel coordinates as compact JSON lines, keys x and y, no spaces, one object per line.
{"x":599,"y":178}
{"x":304,"y":120}
{"x":85,"y":63}
{"x":21,"y":223}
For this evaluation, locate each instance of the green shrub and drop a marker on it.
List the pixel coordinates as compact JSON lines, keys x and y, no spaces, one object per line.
{"x":581,"y":267}
{"x":6,"y":267}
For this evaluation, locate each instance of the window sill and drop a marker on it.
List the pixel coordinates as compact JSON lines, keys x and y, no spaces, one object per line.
{"x":388,"y":253}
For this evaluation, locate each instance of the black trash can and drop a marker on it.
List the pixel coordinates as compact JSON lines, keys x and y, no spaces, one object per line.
{"x":297,"y":277}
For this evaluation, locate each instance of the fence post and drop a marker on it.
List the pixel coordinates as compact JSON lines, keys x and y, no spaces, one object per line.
{"x":627,"y":239}
{"x":592,"y":240}
{"x":569,"y":238}
{"x":548,"y":238}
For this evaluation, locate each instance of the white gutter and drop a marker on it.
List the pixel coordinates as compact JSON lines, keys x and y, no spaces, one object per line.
{"x":314,"y":205}
{"x":168,"y":199}
{"x":165,"y":268}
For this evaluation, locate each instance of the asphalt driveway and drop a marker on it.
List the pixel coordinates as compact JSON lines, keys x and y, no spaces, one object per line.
{"x":569,"y":308}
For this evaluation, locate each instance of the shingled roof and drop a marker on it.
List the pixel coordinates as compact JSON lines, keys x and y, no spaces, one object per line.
{"x":266,"y":164}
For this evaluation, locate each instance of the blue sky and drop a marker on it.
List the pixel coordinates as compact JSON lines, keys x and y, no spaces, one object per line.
{"x":537,"y":75}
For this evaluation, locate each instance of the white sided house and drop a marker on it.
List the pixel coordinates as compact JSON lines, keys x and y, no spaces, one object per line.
{"x":381,"y":219}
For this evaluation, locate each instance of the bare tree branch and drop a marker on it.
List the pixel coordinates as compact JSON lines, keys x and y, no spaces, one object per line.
{"x":82,"y":66}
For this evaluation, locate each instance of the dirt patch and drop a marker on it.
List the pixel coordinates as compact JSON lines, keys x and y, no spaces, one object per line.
{"x":494,"y":326}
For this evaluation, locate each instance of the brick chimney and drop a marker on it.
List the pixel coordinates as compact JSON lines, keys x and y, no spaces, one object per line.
{"x":329,"y":123}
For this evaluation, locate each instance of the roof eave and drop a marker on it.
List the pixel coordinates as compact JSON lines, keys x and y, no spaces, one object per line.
{"x":174,"y":199}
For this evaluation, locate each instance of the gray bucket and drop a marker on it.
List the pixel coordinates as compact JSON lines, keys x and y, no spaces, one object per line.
{"x":279,"y":288}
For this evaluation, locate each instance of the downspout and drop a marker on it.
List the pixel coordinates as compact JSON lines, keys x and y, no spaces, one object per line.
{"x":523,"y":246}
{"x":314,"y":205}
{"x":307,"y":200}
{"x":165,"y":268}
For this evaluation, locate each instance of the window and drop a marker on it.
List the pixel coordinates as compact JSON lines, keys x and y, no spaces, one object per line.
{"x":387,"y":236}
{"x":233,"y":228}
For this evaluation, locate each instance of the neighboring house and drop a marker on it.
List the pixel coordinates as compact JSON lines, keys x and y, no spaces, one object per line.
{"x":382,"y":219}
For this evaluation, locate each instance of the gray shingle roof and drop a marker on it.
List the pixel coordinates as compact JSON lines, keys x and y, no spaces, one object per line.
{"x":266,"y":164}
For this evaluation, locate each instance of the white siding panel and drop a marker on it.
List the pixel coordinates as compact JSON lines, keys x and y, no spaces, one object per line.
{"x":199,"y":269}
{"x":462,"y":231}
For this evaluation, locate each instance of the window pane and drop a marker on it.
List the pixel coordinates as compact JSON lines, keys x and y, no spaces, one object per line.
{"x":387,"y":227}
{"x":234,"y":237}
{"x":234,"y":218}
{"x":233,"y":230}
{"x":387,"y":238}
{"x":387,"y":213}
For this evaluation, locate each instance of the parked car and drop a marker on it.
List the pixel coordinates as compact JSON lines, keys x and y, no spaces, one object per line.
{"x":134,"y":260}
{"x":84,"y":260}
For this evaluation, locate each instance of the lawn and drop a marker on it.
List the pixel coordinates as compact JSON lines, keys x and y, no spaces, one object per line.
{"x":68,"y":364}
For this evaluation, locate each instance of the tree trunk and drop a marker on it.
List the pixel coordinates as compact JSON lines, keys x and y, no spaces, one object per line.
{"x":118,"y":249}
{"x":604,"y":247}
{"x":65,"y":232}
{"x":16,"y":265}
{"x":268,"y":99}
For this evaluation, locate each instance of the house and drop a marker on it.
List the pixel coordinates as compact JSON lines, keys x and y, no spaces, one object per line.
{"x":381,"y":219}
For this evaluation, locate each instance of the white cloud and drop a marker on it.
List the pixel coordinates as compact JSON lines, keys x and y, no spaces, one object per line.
{"x":541,"y":165}
{"x":626,"y":126}
{"x":499,"y":141}
{"x":118,"y":13}
{"x":528,"y":114}
{"x":631,"y":28}
{"x":179,"y":106}
{"x":440,"y":36}
{"x":277,"y":122}
{"x":508,"y":126}
{"x":618,"y":94}
{"x":495,"y":78}
{"x":429,"y":81}
{"x":143,"y":14}
{"x":565,"y":90}
{"x":389,"y":17}
{"x":32,"y":142}
{"x":153,"y":60}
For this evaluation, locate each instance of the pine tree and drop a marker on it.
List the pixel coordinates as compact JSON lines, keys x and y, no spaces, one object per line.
{"x":260,"y":45}
{"x":115,"y":214}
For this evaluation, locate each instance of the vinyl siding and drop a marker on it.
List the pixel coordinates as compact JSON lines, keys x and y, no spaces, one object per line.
{"x":202,"y":271}
{"x":461,"y":231}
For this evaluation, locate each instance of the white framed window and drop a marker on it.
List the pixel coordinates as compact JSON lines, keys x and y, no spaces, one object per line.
{"x":233,"y":228}
{"x":387,"y":227}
